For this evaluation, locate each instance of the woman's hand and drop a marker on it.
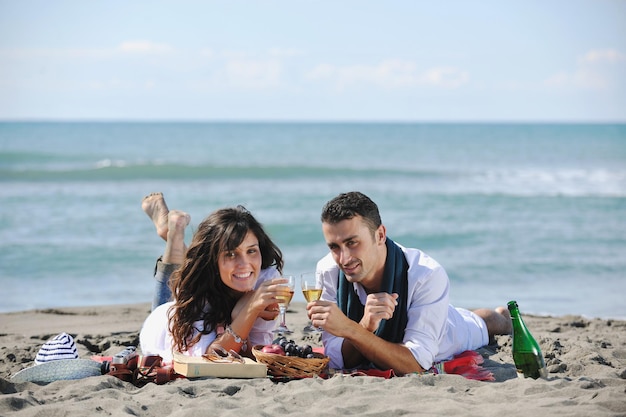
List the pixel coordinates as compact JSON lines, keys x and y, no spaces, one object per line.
{"x":263,"y":301}
{"x":270,"y":313}
{"x":253,"y":304}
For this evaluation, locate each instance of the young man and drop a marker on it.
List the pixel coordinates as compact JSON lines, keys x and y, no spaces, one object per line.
{"x":387,"y":305}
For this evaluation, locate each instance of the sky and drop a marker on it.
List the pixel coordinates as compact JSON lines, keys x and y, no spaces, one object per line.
{"x":290,"y":60}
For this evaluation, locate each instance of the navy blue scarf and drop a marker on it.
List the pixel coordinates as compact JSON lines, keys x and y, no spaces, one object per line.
{"x":395,"y":280}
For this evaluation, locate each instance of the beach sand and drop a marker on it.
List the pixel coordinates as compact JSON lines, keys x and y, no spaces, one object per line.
{"x":586,"y":360}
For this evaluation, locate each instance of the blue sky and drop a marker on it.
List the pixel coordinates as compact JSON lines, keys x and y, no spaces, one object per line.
{"x":313,"y":60}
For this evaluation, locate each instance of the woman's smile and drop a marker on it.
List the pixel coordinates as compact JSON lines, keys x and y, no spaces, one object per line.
{"x":240,"y":267}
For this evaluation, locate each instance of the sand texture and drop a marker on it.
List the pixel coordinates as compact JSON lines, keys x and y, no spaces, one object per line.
{"x":586,"y":359}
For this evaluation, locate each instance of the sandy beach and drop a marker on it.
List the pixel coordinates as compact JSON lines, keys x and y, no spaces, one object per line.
{"x":586,"y":360}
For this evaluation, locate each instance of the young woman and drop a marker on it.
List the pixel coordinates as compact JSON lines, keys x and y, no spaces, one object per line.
{"x":223,"y":287}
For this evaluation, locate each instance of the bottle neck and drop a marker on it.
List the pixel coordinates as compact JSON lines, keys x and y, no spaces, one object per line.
{"x":513,"y":309}
{"x":516,"y":319}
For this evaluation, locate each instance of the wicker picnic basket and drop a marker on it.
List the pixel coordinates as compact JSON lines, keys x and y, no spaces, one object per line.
{"x":291,"y":366}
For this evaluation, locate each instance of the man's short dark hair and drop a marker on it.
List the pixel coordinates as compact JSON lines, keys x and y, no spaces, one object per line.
{"x":348,"y":205}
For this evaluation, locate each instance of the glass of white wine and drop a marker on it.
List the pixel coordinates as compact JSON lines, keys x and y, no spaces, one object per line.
{"x":283,"y":303}
{"x":312,"y":291}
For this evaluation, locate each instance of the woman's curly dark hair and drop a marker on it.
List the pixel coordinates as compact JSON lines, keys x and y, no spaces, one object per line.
{"x":197,"y":288}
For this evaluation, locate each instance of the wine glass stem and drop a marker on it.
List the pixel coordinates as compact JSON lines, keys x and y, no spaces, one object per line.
{"x":282,"y":315}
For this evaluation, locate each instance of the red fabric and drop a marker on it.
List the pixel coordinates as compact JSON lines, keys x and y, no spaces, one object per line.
{"x":469,"y":357}
{"x":468,"y":364}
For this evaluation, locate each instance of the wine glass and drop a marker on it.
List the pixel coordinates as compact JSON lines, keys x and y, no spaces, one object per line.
{"x":312,"y":291}
{"x":283,"y":303}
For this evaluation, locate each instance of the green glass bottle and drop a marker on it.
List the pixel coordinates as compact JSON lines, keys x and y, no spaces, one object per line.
{"x":526,"y":352}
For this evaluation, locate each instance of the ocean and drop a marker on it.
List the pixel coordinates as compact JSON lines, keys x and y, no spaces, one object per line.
{"x":528,"y":212}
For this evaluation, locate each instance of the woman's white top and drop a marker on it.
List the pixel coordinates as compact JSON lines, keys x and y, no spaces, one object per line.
{"x":156,"y":339}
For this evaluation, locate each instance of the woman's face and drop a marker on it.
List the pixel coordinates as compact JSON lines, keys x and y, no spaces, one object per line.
{"x":239,"y":268}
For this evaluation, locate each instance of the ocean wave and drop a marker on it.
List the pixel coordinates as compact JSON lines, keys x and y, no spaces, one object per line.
{"x":120,"y":170}
{"x":568,"y":182}
{"x":519,"y":182}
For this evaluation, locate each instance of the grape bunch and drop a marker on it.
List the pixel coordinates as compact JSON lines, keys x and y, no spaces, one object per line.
{"x":292,"y":349}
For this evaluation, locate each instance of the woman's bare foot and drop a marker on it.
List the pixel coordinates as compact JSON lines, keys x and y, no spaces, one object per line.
{"x":154,"y":206}
{"x":177,"y":221}
{"x":175,"y":247}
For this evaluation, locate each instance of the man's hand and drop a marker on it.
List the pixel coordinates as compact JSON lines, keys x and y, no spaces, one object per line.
{"x":328,"y":316}
{"x":359,"y":341}
{"x":379,"y":306}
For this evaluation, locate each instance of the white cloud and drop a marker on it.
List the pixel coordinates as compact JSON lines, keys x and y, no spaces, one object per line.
{"x":23,"y":54}
{"x":144,"y":47}
{"x":389,"y":74}
{"x":577,"y":79}
{"x":447,"y":77}
{"x":321,"y":71}
{"x":246,"y":70}
{"x":598,"y":69}
{"x":126,"y":47}
{"x":233,"y":54}
{"x":255,"y":74}
{"x":602,"y":55}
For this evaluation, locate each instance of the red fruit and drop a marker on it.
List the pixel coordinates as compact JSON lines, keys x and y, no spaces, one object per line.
{"x":276,"y":349}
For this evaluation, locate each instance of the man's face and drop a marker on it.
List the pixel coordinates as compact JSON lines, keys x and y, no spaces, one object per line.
{"x":357,"y":253}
